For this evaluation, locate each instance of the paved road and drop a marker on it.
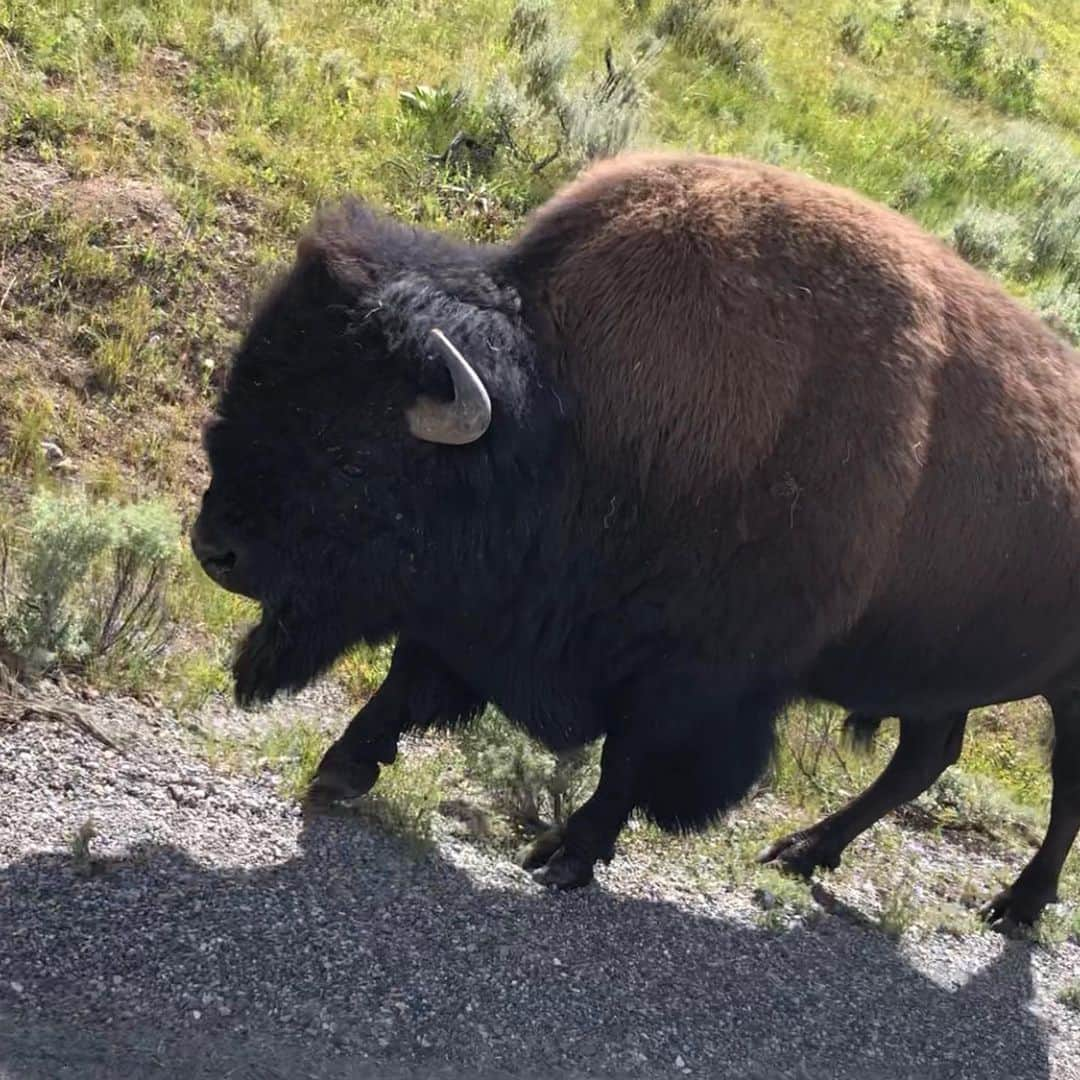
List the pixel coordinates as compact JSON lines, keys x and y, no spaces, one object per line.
{"x":224,"y":935}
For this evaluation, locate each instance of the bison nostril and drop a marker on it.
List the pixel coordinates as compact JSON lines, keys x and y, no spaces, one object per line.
{"x":225,"y":561}
{"x":214,"y":557}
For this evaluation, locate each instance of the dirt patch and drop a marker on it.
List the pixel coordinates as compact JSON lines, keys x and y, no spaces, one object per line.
{"x":169,"y":63}
{"x":23,"y":179}
{"x":133,"y":205}
{"x":119,"y":202}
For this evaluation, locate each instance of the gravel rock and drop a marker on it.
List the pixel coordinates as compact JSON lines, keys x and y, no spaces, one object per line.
{"x":211,"y":929}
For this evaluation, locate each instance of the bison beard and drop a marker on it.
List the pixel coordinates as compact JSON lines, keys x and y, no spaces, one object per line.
{"x":285,"y":651}
{"x":732,"y":437}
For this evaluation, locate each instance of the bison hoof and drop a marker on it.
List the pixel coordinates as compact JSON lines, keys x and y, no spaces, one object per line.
{"x":540,"y":851}
{"x":564,"y":871}
{"x":801,"y":853}
{"x":337,"y":781}
{"x":1016,"y":906}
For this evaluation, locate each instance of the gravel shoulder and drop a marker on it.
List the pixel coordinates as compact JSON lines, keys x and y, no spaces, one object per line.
{"x":216,"y":931}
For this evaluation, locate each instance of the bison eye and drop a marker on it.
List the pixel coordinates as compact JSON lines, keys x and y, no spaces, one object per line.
{"x":351,"y":468}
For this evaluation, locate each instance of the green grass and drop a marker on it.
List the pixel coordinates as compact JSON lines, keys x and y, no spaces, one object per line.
{"x":1069,"y":996}
{"x":405,"y":802}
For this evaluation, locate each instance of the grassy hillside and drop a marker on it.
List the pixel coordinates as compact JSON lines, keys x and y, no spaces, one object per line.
{"x":157,"y":161}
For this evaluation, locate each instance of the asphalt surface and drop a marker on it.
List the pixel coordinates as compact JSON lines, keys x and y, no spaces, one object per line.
{"x":216,"y":932}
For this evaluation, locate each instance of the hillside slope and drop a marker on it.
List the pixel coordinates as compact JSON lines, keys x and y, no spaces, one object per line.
{"x":158,"y":160}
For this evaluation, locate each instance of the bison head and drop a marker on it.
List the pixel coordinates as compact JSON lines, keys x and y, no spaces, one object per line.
{"x":383,"y":389}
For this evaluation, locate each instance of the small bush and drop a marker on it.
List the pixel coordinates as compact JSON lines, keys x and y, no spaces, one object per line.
{"x":681,"y":19}
{"x":128,"y":627}
{"x":851,"y":32}
{"x":125,"y":37}
{"x":64,"y":537}
{"x":899,"y":909}
{"x":533,"y":786}
{"x":991,"y":239}
{"x":544,"y":63}
{"x":914,"y":188}
{"x":601,"y":119}
{"x":1069,"y":996}
{"x":340,"y":71}
{"x":1015,"y":84}
{"x":853,"y":98}
{"x":90,"y":583}
{"x":962,"y":40}
{"x":249,"y":42}
{"x":700,"y":31}
{"x":971,"y":801}
{"x":1055,"y":235}
{"x":1060,"y":307}
{"x":530,"y":21}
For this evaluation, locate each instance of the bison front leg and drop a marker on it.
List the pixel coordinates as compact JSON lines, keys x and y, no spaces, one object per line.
{"x":419,"y":692}
{"x":564,"y":857}
{"x":684,"y":750}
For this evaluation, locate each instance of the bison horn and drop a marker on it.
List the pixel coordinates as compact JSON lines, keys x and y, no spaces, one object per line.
{"x":461,"y":421}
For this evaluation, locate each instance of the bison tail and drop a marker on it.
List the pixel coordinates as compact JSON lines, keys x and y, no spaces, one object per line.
{"x":686,"y":787}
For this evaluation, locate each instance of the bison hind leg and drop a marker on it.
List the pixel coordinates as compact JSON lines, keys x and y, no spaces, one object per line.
{"x":686,"y":785}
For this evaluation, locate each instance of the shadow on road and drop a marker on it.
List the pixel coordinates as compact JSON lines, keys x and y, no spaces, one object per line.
{"x":352,"y":960}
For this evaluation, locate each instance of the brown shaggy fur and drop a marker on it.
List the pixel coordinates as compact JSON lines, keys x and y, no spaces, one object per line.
{"x":896,"y":441}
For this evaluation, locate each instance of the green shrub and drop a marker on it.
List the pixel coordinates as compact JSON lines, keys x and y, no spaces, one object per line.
{"x":852,"y":98}
{"x":899,"y":909}
{"x":851,"y":32}
{"x":533,"y":786}
{"x":700,"y":31}
{"x":602,"y":117}
{"x":1015,"y":83}
{"x":962,"y":40}
{"x":1060,"y":307}
{"x":977,"y":802}
{"x":914,"y":188}
{"x":531,"y":21}
{"x":249,"y":42}
{"x":128,"y":627}
{"x":89,"y":582}
{"x":991,"y":239}
{"x":1055,"y":234}
{"x":64,"y":538}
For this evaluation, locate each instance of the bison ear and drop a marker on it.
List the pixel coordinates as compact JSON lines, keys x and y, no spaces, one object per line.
{"x":340,"y":245}
{"x":458,"y":422}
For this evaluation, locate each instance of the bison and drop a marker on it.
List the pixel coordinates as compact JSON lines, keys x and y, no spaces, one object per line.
{"x":706,"y":437}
